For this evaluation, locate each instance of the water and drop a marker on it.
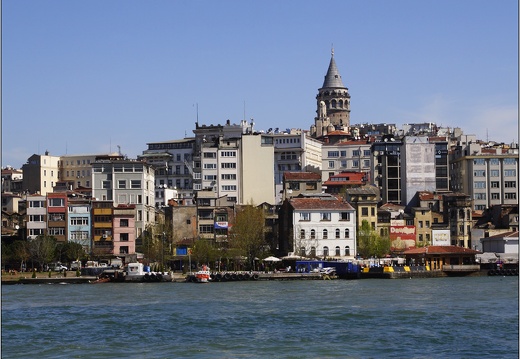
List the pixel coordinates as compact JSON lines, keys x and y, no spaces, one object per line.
{"x":370,"y":318}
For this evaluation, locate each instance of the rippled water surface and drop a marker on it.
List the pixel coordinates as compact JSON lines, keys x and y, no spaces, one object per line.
{"x":370,"y":318}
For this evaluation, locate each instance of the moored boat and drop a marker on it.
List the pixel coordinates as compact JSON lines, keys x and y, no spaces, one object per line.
{"x":203,"y":275}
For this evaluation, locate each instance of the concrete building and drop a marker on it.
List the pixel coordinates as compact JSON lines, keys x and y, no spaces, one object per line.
{"x":487,"y":173}
{"x":294,"y":150}
{"x":36,"y":216}
{"x":12,"y":180}
{"x":57,"y":210}
{"x":318,"y":226}
{"x":387,"y":169}
{"x":79,"y":223}
{"x":457,"y":214}
{"x":256,"y":170}
{"x":126,"y":182}
{"x":349,"y":155}
{"x":296,"y":183}
{"x":364,"y":200}
{"x":418,"y":167}
{"x":172,"y":161}
{"x":123,"y":229}
{"x":76,"y":170}
{"x":41,"y":173}
{"x":505,"y":245}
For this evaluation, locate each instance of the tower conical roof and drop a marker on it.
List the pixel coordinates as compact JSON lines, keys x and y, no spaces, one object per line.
{"x":332,"y":78}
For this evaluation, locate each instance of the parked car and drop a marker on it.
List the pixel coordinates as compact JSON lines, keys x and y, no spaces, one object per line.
{"x":59,"y":268}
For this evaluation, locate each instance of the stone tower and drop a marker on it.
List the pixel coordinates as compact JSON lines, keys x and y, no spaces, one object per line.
{"x":333,"y":104}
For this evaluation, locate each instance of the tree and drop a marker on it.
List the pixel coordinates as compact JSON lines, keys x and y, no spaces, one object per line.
{"x":42,"y":249}
{"x":248,"y":233}
{"x":370,"y":243}
{"x":20,"y":252}
{"x":204,"y":252}
{"x":304,"y":246}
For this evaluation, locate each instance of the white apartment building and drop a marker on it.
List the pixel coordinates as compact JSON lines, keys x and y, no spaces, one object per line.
{"x":323,"y":226}
{"x":489,"y":175}
{"x":36,"y":216}
{"x":126,"y":182}
{"x":294,"y":151}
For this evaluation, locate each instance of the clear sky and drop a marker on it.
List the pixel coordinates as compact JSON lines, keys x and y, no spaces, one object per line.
{"x":82,"y":77}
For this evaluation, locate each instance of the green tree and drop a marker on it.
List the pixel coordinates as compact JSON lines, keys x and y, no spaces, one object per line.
{"x":42,"y":249}
{"x":204,"y":251}
{"x":370,"y":243}
{"x":248,"y":233}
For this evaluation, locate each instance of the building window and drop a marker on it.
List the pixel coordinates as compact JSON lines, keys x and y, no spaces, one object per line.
{"x":509,"y":195}
{"x":510,"y":184}
{"x":331,"y":164}
{"x":56,"y":202}
{"x":305,"y":216}
{"x":338,"y":251}
{"x":325,"y":251}
{"x":313,"y":234}
{"x":347,"y":250}
{"x":135,"y":184}
{"x":509,"y":173}
{"x":495,"y":195}
{"x":364,"y":211}
{"x":123,"y":250}
{"x":121,"y":184}
{"x":302,"y":234}
{"x":106,"y":185}
{"x":356,"y":153}
{"x":123,"y":222}
{"x":495,"y":184}
{"x":479,"y":173}
{"x":494,"y":173}
{"x":345,"y":216}
{"x":332,"y":154}
{"x":347,"y":233}
{"x":325,"y":216}
{"x":123,"y":237}
{"x":338,"y":233}
{"x":325,"y":234}
{"x":479,"y":184}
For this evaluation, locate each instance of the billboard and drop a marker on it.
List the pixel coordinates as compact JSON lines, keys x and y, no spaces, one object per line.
{"x":402,"y":237}
{"x":441,"y":237}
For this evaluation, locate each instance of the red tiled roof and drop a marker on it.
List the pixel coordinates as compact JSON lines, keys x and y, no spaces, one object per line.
{"x":441,"y":250}
{"x":301,"y":176}
{"x":512,"y":234}
{"x":319,"y":203}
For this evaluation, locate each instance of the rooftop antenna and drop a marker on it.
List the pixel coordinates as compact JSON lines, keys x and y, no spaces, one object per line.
{"x":487,"y":135}
{"x":244,"y":110}
{"x":119,"y":150}
{"x":197,"y":109}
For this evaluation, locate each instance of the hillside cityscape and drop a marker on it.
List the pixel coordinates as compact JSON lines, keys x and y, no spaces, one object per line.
{"x":232,"y":194}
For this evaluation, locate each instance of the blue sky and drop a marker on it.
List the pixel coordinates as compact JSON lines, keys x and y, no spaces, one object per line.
{"x":82,"y":77}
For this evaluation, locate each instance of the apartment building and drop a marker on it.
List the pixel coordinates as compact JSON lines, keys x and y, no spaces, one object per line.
{"x":57,"y":209}
{"x":36,"y":215}
{"x":76,"y":170}
{"x":123,"y":229}
{"x":296,"y":183}
{"x":172,"y":161}
{"x":349,"y":155}
{"x":487,"y":173}
{"x":364,"y":200}
{"x":257,"y":170}
{"x":12,"y":180}
{"x":294,"y":150}
{"x":418,"y":167}
{"x":126,"y":182}
{"x":318,"y":226}
{"x":41,"y":173}
{"x":79,"y":223}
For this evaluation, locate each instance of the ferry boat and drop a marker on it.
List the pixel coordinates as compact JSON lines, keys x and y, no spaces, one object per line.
{"x":203,"y":275}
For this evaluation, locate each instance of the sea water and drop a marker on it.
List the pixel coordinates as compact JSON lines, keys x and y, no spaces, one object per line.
{"x":472,"y":317}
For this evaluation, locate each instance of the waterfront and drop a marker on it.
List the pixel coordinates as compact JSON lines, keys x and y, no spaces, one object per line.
{"x":373,"y":318}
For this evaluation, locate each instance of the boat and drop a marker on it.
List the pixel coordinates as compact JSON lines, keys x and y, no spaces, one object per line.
{"x":136,"y":272}
{"x":203,"y":275}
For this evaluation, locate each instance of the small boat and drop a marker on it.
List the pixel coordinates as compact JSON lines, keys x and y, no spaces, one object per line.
{"x":203,"y":275}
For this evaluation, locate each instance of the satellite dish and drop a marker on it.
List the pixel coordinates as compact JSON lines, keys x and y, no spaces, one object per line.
{"x":17,"y":227}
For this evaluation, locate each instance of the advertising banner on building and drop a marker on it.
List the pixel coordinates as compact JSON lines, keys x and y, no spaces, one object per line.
{"x":402,"y":237}
{"x":441,"y":237}
{"x":221,"y":225}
